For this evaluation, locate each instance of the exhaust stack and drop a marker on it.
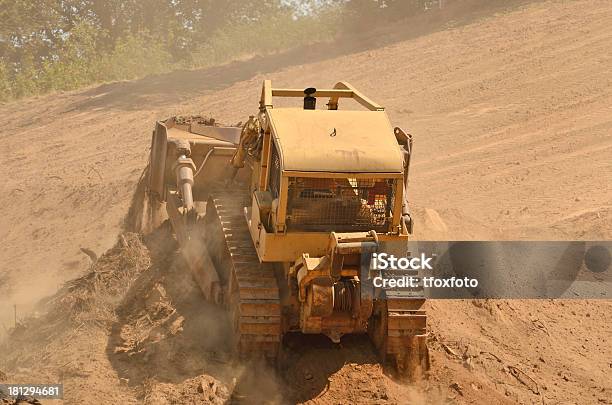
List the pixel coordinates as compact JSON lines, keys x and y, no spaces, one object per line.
{"x":310,"y":102}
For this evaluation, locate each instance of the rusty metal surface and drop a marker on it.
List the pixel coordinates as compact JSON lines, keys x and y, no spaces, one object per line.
{"x":398,"y":329}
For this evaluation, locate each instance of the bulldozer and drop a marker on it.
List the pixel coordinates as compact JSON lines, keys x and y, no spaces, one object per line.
{"x":278,"y":219}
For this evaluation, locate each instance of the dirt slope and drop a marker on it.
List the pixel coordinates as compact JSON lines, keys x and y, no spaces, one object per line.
{"x":512,"y":120}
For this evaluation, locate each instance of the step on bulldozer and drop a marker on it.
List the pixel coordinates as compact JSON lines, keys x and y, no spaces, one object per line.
{"x":278,"y":217}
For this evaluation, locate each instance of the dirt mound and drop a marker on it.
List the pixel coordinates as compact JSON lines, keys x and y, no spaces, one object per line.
{"x":199,"y":390}
{"x":65,"y":342}
{"x":163,"y":315}
{"x":94,"y":295}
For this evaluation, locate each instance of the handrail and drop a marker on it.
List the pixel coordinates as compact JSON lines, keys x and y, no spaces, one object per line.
{"x":340,"y":90}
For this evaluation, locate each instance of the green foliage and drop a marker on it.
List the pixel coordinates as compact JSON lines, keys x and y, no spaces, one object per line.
{"x":274,"y":33}
{"x":76,"y":64}
{"x":4,"y":79}
{"x":135,"y":56}
{"x":52,"y":45}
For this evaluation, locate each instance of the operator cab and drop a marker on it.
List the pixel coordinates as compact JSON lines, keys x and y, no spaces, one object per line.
{"x":325,"y":171}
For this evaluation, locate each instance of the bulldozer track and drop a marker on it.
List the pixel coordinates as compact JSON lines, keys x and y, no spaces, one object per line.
{"x":252,"y":289}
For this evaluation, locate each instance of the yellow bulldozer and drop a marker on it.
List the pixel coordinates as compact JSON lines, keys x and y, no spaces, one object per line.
{"x":278,"y":218}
